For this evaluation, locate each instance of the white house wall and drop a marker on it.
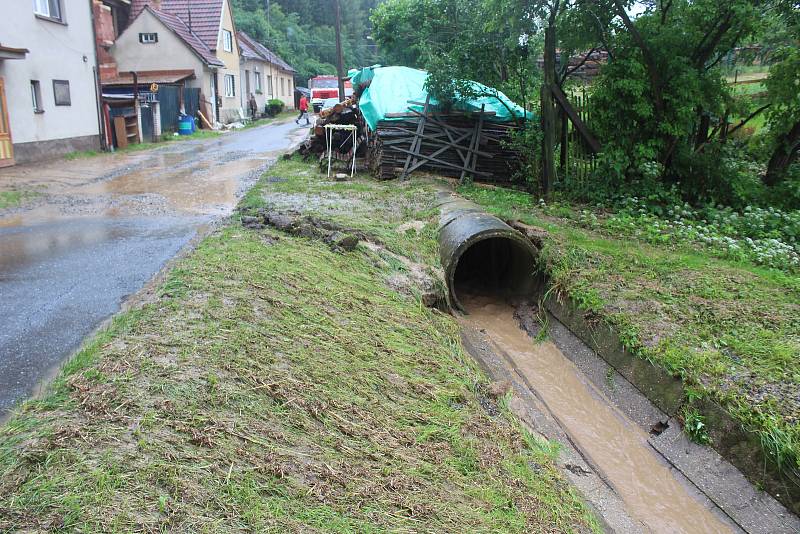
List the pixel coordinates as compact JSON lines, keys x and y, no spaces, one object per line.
{"x":284,"y":87}
{"x":230,"y":105}
{"x":253,"y":66}
{"x":56,"y":52}
{"x":169,"y":53}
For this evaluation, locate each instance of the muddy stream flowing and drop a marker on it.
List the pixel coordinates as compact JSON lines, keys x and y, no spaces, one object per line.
{"x":616,"y":445}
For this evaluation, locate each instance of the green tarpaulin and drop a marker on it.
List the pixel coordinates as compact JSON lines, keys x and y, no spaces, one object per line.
{"x":392,"y":88}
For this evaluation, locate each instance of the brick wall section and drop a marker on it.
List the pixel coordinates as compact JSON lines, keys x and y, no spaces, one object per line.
{"x":104,"y":30}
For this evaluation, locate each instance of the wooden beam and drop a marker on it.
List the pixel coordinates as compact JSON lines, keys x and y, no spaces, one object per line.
{"x":436,"y":138}
{"x":416,"y":143}
{"x":445,"y":163}
{"x":472,"y":158}
{"x":580,"y":126}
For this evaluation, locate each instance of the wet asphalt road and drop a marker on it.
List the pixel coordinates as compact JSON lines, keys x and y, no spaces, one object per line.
{"x":104,"y":229}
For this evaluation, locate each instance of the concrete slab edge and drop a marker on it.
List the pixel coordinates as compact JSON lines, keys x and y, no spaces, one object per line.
{"x":734,"y":446}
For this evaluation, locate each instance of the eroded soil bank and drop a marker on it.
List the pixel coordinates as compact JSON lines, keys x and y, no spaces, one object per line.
{"x":279,"y":385}
{"x":282,"y":382}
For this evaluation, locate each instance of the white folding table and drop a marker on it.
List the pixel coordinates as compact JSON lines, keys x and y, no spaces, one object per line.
{"x":329,"y":141}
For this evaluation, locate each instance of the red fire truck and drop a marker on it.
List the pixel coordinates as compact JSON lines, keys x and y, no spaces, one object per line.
{"x":326,"y":86}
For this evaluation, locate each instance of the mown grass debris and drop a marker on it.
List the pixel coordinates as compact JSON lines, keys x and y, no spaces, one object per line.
{"x":277,"y":385}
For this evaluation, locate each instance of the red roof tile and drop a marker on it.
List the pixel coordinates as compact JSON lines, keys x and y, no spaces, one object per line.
{"x":250,"y":45}
{"x":203,"y":17}
{"x":194,"y":42}
{"x":248,"y":52}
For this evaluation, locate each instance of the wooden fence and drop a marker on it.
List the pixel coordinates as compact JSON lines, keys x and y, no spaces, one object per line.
{"x":576,"y":158}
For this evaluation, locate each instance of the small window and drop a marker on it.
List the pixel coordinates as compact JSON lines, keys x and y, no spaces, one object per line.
{"x":230,"y":86}
{"x":61,"y":93}
{"x":282,"y":82}
{"x":269,"y":85}
{"x":257,"y":81}
{"x":36,"y":96}
{"x":48,"y":8}
{"x":148,"y":38}
{"x":227,"y":41}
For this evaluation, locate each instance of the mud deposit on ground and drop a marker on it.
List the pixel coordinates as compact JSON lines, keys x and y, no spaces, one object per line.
{"x":413,"y":279}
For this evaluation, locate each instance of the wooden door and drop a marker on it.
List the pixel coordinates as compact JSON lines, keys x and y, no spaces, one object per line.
{"x":6,"y":147}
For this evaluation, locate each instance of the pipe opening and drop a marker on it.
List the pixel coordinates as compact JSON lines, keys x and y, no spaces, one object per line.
{"x":496,"y":266}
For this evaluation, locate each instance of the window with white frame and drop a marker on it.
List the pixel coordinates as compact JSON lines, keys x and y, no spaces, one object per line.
{"x":36,"y":96}
{"x":230,"y":85}
{"x":282,"y":82}
{"x":269,"y":85}
{"x":227,"y":41}
{"x":148,"y":38}
{"x":257,"y":81}
{"x":48,"y":8}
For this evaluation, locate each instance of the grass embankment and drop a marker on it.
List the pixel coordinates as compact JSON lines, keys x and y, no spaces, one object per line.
{"x":165,"y":138}
{"x":730,"y":329}
{"x":280,"y":117}
{"x":13,"y":199}
{"x":277,"y":385}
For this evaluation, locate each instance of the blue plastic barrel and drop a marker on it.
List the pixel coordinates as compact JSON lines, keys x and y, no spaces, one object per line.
{"x":185,"y":125}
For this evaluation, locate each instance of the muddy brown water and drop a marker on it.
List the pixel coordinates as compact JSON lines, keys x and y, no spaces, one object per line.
{"x":616,"y":445}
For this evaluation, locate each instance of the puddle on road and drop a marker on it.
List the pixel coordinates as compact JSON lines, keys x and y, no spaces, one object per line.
{"x":207,"y":187}
{"x":21,"y":248}
{"x":616,"y":445}
{"x":206,"y":179}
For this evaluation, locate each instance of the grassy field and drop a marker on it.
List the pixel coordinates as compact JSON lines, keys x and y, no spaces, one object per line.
{"x":278,"y":386}
{"x":730,"y":329}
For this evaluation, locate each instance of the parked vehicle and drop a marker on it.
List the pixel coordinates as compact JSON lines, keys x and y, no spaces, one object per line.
{"x":328,"y":103}
{"x":326,"y":86}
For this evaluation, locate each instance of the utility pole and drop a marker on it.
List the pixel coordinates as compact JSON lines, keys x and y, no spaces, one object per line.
{"x":339,"y":60}
{"x":268,"y":23}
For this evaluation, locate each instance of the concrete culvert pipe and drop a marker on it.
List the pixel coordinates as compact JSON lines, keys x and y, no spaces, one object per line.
{"x":481,"y":254}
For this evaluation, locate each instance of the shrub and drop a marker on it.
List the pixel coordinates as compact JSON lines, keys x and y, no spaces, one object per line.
{"x":274,"y":106}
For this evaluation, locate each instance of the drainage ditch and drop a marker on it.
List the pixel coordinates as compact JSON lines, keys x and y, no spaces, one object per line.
{"x":488,"y":268}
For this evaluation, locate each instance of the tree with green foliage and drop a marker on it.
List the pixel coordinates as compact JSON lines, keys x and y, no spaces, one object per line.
{"x":661,"y":107}
{"x":302,"y":33}
{"x":459,"y":41}
{"x":783,"y":96}
{"x":656,"y":100}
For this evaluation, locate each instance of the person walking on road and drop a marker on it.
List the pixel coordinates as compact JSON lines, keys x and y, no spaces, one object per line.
{"x":303,"y":110}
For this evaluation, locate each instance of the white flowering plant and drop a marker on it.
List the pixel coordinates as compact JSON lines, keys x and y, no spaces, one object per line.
{"x":764,"y":236}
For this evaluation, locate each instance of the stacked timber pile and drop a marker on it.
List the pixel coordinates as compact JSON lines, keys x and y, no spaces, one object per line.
{"x":402,"y":129}
{"x":409,"y":130}
{"x":343,"y":113}
{"x":463,"y":145}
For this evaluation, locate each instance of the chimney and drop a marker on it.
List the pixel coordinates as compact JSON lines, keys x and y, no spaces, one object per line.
{"x":155,"y":4}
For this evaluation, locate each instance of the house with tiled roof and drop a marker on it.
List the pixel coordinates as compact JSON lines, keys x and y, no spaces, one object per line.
{"x":180,"y":35}
{"x":264,"y":74}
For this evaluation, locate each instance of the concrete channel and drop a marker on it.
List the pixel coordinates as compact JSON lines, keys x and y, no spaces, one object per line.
{"x":629,"y":459}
